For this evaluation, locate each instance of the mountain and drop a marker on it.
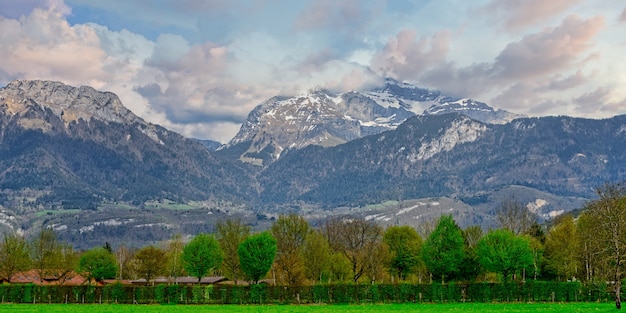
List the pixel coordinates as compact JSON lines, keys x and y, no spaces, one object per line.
{"x":66,"y":148}
{"x":76,"y":160}
{"x":209,"y":144}
{"x":455,"y":156}
{"x":323,"y":118}
{"x":476,"y":110}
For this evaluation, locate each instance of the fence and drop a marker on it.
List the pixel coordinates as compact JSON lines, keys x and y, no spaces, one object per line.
{"x":533,"y":291}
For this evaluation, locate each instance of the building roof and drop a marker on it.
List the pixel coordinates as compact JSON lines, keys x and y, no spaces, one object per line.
{"x":32,"y":277}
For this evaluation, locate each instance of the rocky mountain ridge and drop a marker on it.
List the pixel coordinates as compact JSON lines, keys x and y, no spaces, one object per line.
{"x":323,"y":118}
{"x":74,"y":159}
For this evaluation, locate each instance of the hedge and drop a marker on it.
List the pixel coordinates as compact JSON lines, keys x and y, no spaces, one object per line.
{"x":531,"y":291}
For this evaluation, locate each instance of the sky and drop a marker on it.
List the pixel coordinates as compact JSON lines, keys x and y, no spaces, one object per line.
{"x":199,"y":67}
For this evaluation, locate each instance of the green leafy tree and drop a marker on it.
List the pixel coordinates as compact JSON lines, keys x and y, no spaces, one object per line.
{"x":98,"y":264}
{"x":202,"y":255}
{"x":14,"y":256}
{"x":317,"y":255}
{"x":501,"y":251}
{"x":230,"y":234}
{"x":290,"y":232}
{"x":405,"y":246}
{"x":444,"y":249}
{"x":149,"y":262}
{"x":562,"y":248}
{"x":256,"y":255}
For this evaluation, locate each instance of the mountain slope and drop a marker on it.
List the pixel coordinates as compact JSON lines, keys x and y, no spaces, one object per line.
{"x":77,"y":147}
{"x":450,"y":154}
{"x":328,"y":119}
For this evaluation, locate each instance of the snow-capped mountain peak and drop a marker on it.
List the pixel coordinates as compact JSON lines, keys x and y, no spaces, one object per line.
{"x":320,"y":117}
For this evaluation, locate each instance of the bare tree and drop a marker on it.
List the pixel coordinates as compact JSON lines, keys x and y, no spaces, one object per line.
{"x":174,"y":251}
{"x":290,"y":232}
{"x":514,"y":216}
{"x":606,"y":218}
{"x":356,"y":239}
{"x":230,"y":234}
{"x":124,"y":257}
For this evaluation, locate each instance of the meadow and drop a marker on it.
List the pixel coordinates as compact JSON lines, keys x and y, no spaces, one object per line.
{"x":422,"y":308}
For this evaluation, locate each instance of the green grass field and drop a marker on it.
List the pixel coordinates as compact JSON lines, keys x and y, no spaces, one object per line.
{"x":426,"y":308}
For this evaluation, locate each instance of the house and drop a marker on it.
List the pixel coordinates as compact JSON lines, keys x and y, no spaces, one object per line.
{"x":70,"y":278}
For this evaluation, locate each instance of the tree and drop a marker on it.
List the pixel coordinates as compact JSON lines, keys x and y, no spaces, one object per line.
{"x":98,"y":264}
{"x":443,"y":251}
{"x":290,"y":232}
{"x":202,"y":255}
{"x":51,"y":258}
{"x":174,"y":266}
{"x":124,"y":257}
{"x":513,"y":215}
{"x":316,"y":255}
{"x":14,"y":256}
{"x":65,"y":263}
{"x":470,"y":267}
{"x":562,"y":248}
{"x":606,"y":219}
{"x":501,"y":251}
{"x":230,"y":235}
{"x":405,"y":246}
{"x":356,"y":239}
{"x":149,"y":262}
{"x":256,"y":255}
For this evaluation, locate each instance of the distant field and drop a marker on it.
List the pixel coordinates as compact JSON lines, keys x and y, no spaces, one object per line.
{"x":425,"y":308}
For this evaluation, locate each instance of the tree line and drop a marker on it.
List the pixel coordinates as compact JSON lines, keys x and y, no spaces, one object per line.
{"x":590,"y":248}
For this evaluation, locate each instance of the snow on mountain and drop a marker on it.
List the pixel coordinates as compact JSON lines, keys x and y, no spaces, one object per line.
{"x":323,"y":118}
{"x":473,"y":109}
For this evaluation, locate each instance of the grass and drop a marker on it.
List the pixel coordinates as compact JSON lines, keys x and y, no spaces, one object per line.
{"x":404,"y":308}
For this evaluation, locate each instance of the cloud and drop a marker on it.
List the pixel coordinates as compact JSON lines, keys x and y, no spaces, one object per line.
{"x":336,"y":15}
{"x":43,"y":45}
{"x":534,"y":58}
{"x":405,"y":57}
{"x":516,"y":14}
{"x":549,"y":50}
{"x":560,"y":84}
{"x":17,"y":9}
{"x":592,"y":101}
{"x":622,"y":17}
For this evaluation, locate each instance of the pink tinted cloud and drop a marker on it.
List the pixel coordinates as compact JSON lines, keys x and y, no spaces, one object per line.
{"x":406,"y":57}
{"x":559,"y":84}
{"x":622,"y":17}
{"x":518,"y":14}
{"x":535,"y":58}
{"x":549,"y":50}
